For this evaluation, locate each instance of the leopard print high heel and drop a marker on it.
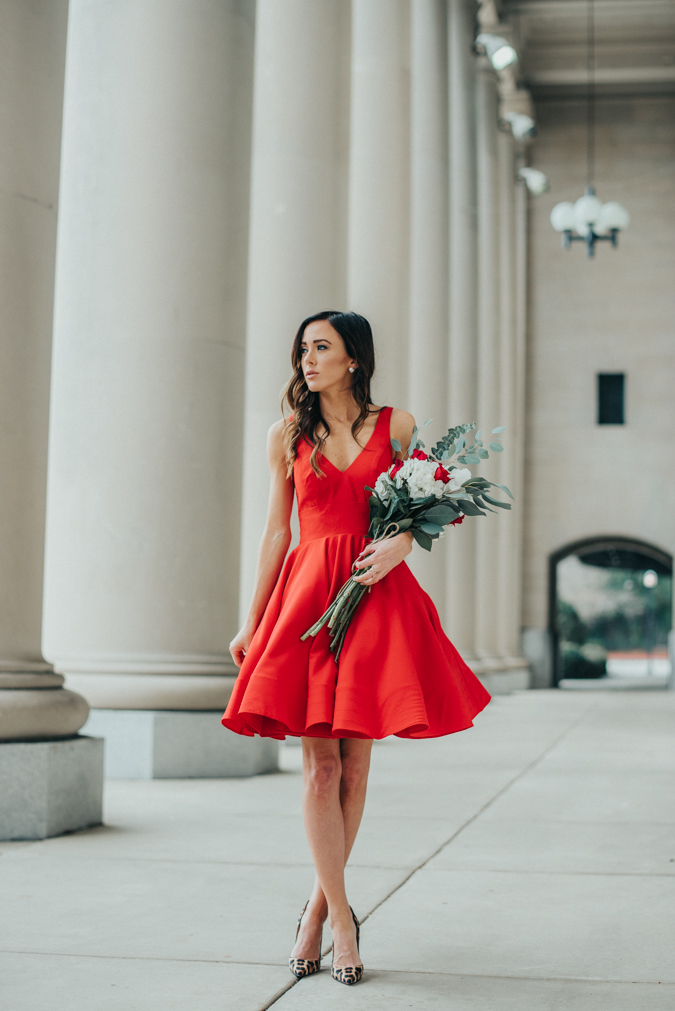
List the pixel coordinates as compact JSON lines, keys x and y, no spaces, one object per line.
{"x":305,"y":966}
{"x":350,"y":974}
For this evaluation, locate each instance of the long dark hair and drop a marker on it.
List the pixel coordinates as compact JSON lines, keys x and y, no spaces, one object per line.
{"x":306,"y":406}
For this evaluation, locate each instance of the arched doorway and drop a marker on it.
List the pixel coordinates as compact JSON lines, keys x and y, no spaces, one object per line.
{"x":610,"y":609}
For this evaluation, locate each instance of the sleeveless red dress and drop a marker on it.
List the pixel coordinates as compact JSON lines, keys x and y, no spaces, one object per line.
{"x":398,"y":674}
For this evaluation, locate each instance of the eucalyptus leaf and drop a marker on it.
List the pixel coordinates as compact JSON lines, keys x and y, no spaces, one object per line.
{"x":472,"y":458}
{"x":433,"y":529}
{"x":442,"y":513}
{"x":496,"y":431}
{"x":483,"y":454}
{"x":395,"y":445}
{"x":427,"y":422}
{"x":496,"y":502}
{"x":471,"y":509}
{"x":482,"y":503}
{"x":422,"y":539}
{"x":503,"y":488}
{"x":496,"y":447}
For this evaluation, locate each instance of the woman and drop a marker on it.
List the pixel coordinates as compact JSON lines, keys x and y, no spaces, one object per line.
{"x":398,"y":673}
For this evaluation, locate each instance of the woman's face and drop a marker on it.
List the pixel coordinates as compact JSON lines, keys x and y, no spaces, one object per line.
{"x":325,"y":363}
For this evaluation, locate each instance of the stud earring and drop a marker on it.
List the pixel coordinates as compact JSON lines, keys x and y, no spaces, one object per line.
{"x":351,"y":368}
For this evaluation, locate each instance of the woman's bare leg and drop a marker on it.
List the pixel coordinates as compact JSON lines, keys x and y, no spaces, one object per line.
{"x":334,"y":794}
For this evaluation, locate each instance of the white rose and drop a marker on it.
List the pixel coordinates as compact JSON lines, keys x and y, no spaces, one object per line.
{"x":418,"y":475}
{"x":457,"y":479}
{"x":383,"y":487}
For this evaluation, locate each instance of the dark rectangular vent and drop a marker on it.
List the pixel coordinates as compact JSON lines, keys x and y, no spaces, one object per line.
{"x":611,"y":386}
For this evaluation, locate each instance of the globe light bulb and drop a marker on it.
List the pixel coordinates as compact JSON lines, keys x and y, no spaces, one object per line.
{"x":586,"y":211}
{"x":613,"y":215}
{"x":562,"y":216}
{"x":650,"y":579}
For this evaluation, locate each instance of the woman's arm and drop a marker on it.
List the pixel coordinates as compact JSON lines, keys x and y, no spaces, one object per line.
{"x":274,"y":543}
{"x":386,"y":555}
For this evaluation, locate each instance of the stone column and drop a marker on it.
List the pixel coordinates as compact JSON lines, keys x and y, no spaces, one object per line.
{"x":142,"y":553}
{"x":298,"y":212}
{"x":461,"y":375}
{"x":488,"y":405}
{"x":379,"y":185}
{"x":511,"y":388}
{"x":428,"y":326}
{"x":54,"y":785}
{"x":520,"y":355}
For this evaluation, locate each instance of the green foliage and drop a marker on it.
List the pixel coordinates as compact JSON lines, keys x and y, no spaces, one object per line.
{"x":570,"y":627}
{"x":583,"y":662}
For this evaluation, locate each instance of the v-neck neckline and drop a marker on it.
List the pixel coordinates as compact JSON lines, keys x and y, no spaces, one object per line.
{"x":361,"y":451}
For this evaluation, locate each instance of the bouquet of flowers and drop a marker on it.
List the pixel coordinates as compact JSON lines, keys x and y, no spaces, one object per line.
{"x":422,"y":494}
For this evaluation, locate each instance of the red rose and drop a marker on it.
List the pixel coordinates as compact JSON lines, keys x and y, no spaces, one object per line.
{"x":441,"y":474}
{"x":419,"y":455}
{"x":395,"y":469}
{"x":460,"y":519}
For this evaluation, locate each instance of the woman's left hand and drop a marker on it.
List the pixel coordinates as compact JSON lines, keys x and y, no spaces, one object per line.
{"x":382,"y":557}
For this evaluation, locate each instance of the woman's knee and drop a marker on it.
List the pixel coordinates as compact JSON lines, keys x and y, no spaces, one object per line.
{"x":354,"y":777}
{"x":322,"y":773}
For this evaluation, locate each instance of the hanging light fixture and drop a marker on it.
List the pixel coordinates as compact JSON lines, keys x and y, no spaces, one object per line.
{"x":589,"y":220}
{"x":498,"y":50}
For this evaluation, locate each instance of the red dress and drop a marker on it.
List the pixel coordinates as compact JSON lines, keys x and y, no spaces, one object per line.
{"x":398,"y":674}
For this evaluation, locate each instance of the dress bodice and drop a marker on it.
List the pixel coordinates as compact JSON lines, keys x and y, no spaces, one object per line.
{"x":338,"y":502}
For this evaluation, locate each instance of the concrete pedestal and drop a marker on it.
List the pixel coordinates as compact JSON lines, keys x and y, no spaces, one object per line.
{"x":155,"y":744}
{"x":504,"y":681}
{"x":50,"y":787}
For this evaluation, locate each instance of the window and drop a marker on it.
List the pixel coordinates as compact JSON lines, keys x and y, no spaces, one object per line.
{"x":611,"y":387}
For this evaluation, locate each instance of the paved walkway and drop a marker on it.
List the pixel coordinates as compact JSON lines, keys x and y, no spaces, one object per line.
{"x":526,"y":864}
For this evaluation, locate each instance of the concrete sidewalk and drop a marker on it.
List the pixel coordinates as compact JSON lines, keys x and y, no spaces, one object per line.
{"x":528,"y":863}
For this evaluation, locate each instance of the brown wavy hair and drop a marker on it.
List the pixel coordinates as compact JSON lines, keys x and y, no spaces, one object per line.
{"x":305,"y":406}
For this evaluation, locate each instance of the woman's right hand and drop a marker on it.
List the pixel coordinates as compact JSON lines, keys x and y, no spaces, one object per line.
{"x":240,"y":644}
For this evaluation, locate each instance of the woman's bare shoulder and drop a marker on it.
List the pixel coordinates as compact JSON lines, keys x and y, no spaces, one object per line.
{"x":275,"y":438}
{"x":401,"y":426}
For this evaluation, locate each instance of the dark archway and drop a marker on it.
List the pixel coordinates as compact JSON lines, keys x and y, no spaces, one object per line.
{"x":613,"y":559}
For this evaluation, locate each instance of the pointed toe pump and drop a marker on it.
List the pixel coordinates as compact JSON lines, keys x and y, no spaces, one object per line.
{"x":349,"y":974}
{"x":305,"y":966}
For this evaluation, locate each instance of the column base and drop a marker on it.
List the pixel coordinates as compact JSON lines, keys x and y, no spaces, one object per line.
{"x":165,"y":744}
{"x":501,"y":676}
{"x":50,"y":787}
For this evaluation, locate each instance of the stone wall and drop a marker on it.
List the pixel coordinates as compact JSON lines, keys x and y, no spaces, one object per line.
{"x":611,"y":314}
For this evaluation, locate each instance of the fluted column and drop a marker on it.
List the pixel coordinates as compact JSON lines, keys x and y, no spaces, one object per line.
{"x":488,"y":405}
{"x":520,"y":357}
{"x":508,"y":523}
{"x":379,"y":185}
{"x":428,"y":326}
{"x":298,"y":214}
{"x":142,"y":554}
{"x":461,"y":375}
{"x":32,"y":55}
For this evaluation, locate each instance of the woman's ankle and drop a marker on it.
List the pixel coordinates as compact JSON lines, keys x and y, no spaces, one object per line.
{"x":317,"y":908}
{"x":340,"y":916}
